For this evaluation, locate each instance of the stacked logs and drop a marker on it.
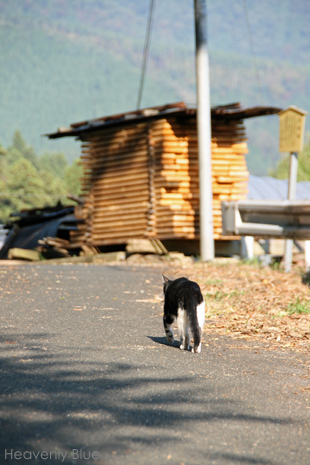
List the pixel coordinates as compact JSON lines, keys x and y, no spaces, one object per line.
{"x":115,"y":186}
{"x":142,"y":180}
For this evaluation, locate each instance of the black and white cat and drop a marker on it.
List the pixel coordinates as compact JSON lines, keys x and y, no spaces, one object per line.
{"x":183,"y":301}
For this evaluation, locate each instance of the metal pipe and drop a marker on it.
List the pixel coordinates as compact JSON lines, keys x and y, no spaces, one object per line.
{"x":288,"y":256}
{"x":204,"y":133}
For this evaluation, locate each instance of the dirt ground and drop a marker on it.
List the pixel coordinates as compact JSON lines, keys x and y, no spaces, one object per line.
{"x":251,"y":302}
{"x":258,"y":303}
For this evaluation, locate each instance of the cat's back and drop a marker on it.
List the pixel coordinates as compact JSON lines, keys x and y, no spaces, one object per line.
{"x":183,"y":287}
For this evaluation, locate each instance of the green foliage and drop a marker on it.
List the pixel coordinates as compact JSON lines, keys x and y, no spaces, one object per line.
{"x":62,"y":62}
{"x":18,"y":141}
{"x":281,"y":170}
{"x":26,"y":150}
{"x":28,"y":181}
{"x":299,"y":307}
{"x":55,"y":163}
{"x":72,"y":177}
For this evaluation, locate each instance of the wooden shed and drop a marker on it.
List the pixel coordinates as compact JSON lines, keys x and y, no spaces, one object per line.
{"x":141,"y":176}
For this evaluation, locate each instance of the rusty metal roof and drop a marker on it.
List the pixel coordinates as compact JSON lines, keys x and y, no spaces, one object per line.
{"x":232,"y":111}
{"x":235,"y":111}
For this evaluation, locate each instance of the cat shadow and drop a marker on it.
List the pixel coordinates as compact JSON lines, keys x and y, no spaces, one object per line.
{"x":163,"y":340}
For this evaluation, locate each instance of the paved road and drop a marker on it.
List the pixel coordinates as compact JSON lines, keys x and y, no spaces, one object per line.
{"x":86,"y":377}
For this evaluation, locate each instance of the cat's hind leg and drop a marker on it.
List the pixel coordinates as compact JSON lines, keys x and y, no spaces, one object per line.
{"x":201,"y":311}
{"x":184,"y":329}
{"x":168,"y":320}
{"x":201,"y":314}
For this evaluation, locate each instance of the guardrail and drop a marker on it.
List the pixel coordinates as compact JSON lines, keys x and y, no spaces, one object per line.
{"x":288,"y":219}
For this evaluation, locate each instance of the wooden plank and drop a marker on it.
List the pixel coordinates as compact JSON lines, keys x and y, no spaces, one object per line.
{"x":228,"y":157}
{"x":172,"y":185}
{"x":231,"y":164}
{"x":119,"y":232}
{"x":109,"y":129}
{"x":163,"y":210}
{"x":107,"y":216}
{"x":110,"y":161}
{"x":117,"y":239}
{"x":134,"y":200}
{"x":124,"y":180}
{"x":171,"y":235}
{"x":119,"y":173}
{"x":233,"y":179}
{"x":125,"y":230}
{"x":24,"y":254}
{"x":117,"y":153}
{"x":121,"y":209}
{"x":104,"y":144}
{"x":120,"y":240}
{"x":176,"y":229}
{"x":105,"y":198}
{"x":99,"y":223}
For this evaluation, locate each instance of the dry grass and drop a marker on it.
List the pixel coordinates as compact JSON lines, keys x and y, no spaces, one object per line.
{"x":247,"y":301}
{"x":252,"y":302}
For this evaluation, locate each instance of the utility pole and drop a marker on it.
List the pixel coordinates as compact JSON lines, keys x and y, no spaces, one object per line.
{"x":204,"y":133}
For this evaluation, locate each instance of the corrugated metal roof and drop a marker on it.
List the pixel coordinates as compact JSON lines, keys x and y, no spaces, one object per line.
{"x":268,"y":188}
{"x":235,"y":111}
{"x":226,"y":112}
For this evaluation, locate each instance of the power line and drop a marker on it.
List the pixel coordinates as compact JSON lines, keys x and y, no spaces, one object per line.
{"x":252,"y":50}
{"x":146,"y":49}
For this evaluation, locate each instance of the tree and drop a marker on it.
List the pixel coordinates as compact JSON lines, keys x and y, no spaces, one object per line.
{"x":55,"y":163}
{"x":27,"y":189}
{"x":282,"y":168}
{"x":26,"y":150}
{"x":72,"y":178}
{"x":18,"y":141}
{"x":28,"y":181}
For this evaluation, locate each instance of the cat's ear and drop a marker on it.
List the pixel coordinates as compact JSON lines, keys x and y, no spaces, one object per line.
{"x":165,"y":279}
{"x":166,"y":282}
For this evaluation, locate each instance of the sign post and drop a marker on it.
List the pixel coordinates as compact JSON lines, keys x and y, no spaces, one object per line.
{"x":292,"y":128}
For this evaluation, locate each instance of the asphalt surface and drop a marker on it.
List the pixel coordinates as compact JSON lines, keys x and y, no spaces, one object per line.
{"x":87,"y":377}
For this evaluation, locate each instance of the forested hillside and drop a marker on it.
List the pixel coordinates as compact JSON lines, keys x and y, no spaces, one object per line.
{"x":31,"y":181}
{"x":66,"y":61}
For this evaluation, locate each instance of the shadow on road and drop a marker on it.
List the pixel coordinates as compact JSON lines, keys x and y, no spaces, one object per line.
{"x":163,"y":341}
{"x":63,"y":402}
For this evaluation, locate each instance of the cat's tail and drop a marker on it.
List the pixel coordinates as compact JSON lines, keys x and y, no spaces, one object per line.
{"x":193,"y":317}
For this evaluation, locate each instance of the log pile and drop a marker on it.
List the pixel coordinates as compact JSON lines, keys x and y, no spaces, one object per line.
{"x":229,"y":171}
{"x":141,"y":180}
{"x":115,"y":186}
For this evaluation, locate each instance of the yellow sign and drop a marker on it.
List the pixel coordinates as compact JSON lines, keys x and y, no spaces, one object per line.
{"x":292,"y":128}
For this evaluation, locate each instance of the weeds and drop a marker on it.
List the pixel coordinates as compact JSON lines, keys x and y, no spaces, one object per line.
{"x":213,"y":282}
{"x":306,"y":278}
{"x":219,"y":295}
{"x":298,"y":307}
{"x":251,"y":262}
{"x":276,"y":265}
{"x":256,"y":303}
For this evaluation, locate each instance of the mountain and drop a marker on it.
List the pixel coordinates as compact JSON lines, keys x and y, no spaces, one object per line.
{"x":62,"y":62}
